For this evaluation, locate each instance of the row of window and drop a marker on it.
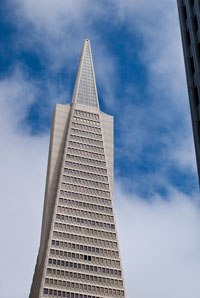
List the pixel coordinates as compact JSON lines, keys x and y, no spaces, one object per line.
{"x":86,"y":147}
{"x":84,"y":197}
{"x":86,"y":153}
{"x":91,"y":249}
{"x":87,"y":85}
{"x":93,"y":233}
{"x":85,"y":190}
{"x":86,"y":160}
{"x":86,"y":277}
{"x":83,"y":238}
{"x":56,"y":293}
{"x":70,"y":255}
{"x":83,"y":231}
{"x":90,"y":232}
{"x":86,"y":114}
{"x":85,"y":182}
{"x":87,"y":78}
{"x":84,"y":287}
{"x":86,"y":140}
{"x":81,"y":266}
{"x":85,"y":175}
{"x":81,"y":120}
{"x":87,"y":214}
{"x":85,"y":205}
{"x":87,"y":258}
{"x":85,"y":167}
{"x":86,"y":88}
{"x":89,"y":222}
{"x":86,"y":95}
{"x":86,"y":127}
{"x":88,"y":240}
{"x":86,"y":134}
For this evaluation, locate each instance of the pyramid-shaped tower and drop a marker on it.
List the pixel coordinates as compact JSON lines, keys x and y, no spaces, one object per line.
{"x":79,"y":254}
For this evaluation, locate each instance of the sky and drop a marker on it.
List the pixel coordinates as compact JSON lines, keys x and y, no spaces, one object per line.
{"x":140,"y":76}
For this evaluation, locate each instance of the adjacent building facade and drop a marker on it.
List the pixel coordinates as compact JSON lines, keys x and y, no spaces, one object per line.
{"x":189,"y":15}
{"x":79,"y":254}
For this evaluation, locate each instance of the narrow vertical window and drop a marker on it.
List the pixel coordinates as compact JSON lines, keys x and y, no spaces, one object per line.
{"x":192,"y":65}
{"x":184,"y":12}
{"x":196,"y":96}
{"x":188,"y":38}
{"x":195,"y":22}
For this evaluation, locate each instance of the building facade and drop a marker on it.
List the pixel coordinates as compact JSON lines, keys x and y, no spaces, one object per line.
{"x":79,"y":254}
{"x":189,"y":16}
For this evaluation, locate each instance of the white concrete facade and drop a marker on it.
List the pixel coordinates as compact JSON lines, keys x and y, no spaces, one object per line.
{"x":79,"y":253}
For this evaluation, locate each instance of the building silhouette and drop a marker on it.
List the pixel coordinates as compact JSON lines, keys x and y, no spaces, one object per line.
{"x":79,"y":254}
{"x":189,"y":16}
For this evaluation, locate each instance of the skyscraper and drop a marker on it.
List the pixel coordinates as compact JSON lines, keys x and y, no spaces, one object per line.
{"x":79,"y":255}
{"x":189,"y":16}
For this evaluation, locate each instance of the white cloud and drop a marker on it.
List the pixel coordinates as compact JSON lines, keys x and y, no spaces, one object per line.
{"x":165,"y":116}
{"x":160,"y":244}
{"x":55,"y":32}
{"x":51,"y":17}
{"x":184,"y":154}
{"x":23,"y":163}
{"x":17,"y":94}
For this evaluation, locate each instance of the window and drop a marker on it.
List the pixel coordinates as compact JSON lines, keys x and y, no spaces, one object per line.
{"x":196,"y":96}
{"x":188,"y":40}
{"x":191,"y":61}
{"x":195,"y":22}
{"x":191,"y":2}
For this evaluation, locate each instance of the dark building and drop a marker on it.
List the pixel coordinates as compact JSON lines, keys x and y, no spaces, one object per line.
{"x":189,"y":16}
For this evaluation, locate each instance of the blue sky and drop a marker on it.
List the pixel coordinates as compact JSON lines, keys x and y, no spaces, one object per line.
{"x":140,"y":78}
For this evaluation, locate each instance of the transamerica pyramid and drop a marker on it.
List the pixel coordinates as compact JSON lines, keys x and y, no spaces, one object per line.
{"x":79,"y":254}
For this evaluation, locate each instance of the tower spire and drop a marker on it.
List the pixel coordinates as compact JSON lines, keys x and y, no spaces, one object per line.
{"x":85,"y":91}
